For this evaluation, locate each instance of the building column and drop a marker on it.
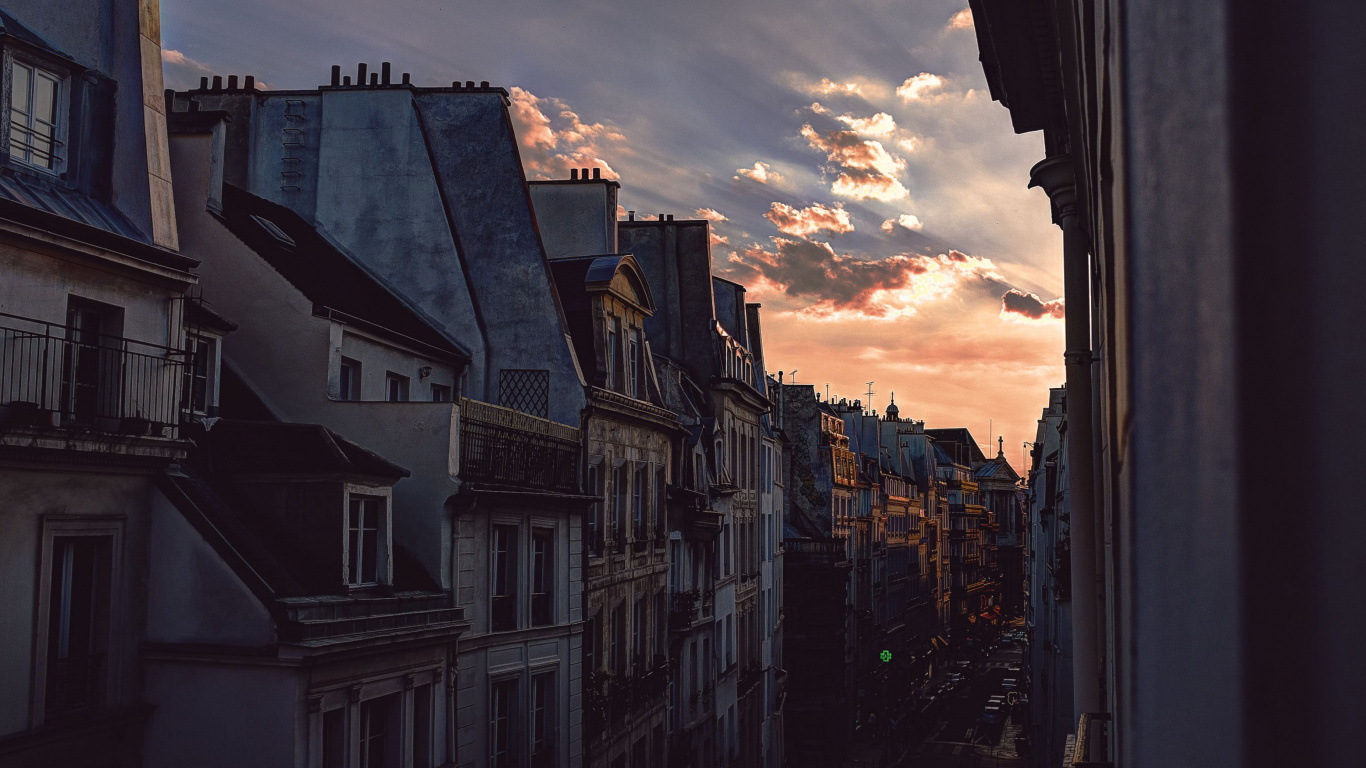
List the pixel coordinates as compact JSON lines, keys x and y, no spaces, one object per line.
{"x":1056,"y":176}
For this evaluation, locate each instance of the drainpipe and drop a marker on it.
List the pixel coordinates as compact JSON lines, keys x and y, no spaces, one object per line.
{"x":1056,"y":176}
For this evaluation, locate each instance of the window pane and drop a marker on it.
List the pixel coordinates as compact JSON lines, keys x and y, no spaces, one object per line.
{"x":77,"y":614}
{"x":45,"y":98}
{"x":422,"y":726}
{"x":19,"y":88}
{"x":334,"y":739}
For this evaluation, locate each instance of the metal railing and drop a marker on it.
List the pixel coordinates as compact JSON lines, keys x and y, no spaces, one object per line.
{"x":506,"y":447}
{"x":59,"y":376}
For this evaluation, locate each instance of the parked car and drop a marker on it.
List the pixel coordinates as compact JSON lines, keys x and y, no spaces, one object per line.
{"x":1013,"y":667}
{"x":1008,"y":684}
{"x":954,"y":678}
{"x":992,"y":713}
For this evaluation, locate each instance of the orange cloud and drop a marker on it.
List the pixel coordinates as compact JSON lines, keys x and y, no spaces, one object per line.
{"x":1027,"y":305}
{"x":961,"y":20}
{"x":719,"y":239}
{"x":866,"y":168}
{"x":904,"y":221}
{"x":551,"y":146}
{"x":761,"y":172}
{"x":838,"y":287}
{"x":801,"y":222}
{"x":827,"y":86}
{"x":709,"y":214}
{"x":919,"y":87}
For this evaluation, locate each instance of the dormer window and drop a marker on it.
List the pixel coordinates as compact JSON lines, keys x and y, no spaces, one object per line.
{"x":36,"y":124}
{"x":613,"y":337}
{"x":633,"y":360}
{"x":367,"y":545}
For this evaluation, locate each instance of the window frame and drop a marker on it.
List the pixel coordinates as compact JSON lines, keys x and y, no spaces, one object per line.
{"x":542,"y":570}
{"x":384,"y":531}
{"x":62,"y":75}
{"x":61,"y":526}
{"x":191,"y":372}
{"x":512,"y":570}
{"x":441,"y":393}
{"x":349,"y":372}
{"x":513,"y":683}
{"x":403,"y":387}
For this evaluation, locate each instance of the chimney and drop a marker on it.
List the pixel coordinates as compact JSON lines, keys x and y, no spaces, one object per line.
{"x":661,"y":217}
{"x":346,"y":80}
{"x":336,"y":75}
{"x":573,"y":174}
{"x":384,"y":76}
{"x":484,"y":84}
{"x":469,"y":84}
{"x":671,"y":217}
{"x":597,"y":173}
{"x":218,"y":82}
{"x":374,"y":78}
{"x":406,"y":80}
{"x":360,"y":73}
{"x":249,"y":83}
{"x":232,"y":82}
{"x":203,"y":83}
{"x":584,"y":174}
{"x":630,"y":215}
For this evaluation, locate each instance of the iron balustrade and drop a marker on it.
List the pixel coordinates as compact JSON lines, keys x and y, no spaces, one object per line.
{"x":505,"y":447}
{"x":54,"y":375}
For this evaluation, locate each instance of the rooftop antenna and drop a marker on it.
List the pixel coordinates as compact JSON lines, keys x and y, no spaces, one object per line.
{"x":794,"y":375}
{"x":827,"y":391}
{"x":870,"y":395}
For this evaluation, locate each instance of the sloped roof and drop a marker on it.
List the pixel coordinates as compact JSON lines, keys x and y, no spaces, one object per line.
{"x":12,"y":27}
{"x":323,"y":272}
{"x":49,"y":197}
{"x":284,"y":448}
{"x":961,"y":436}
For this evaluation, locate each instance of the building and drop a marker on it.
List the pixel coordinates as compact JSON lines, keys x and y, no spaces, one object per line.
{"x":92,"y":346}
{"x":1048,"y":615}
{"x":1180,"y":187}
{"x":999,"y":485}
{"x":457,"y":365}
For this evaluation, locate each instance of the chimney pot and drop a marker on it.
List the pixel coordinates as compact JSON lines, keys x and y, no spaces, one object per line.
{"x":374,"y":78}
{"x":360,"y":73}
{"x":584,"y":174}
{"x":483,"y":83}
{"x":469,"y":83}
{"x":661,"y":217}
{"x":203,"y":83}
{"x":384,"y":70}
{"x":218,"y":82}
{"x":573,"y":174}
{"x":671,"y":217}
{"x":346,"y":80}
{"x":406,"y":80}
{"x":232,"y":82}
{"x":336,"y":74}
{"x":597,"y":173}
{"x":249,"y":83}
{"x":630,"y":215}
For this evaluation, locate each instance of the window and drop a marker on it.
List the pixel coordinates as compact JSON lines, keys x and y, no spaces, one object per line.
{"x":543,"y":720}
{"x":730,"y":641}
{"x":35,"y":106}
{"x":618,"y":639}
{"x":441,"y":393}
{"x":542,"y":577}
{"x":661,"y":625}
{"x":618,"y":506}
{"x":638,"y":635}
{"x":365,"y":529}
{"x":395,"y":387}
{"x":381,"y":742}
{"x":78,"y":619}
{"x":661,"y":522}
{"x":633,"y":361}
{"x":726,"y":544}
{"x":590,"y":644}
{"x":594,"y":522}
{"x":348,"y":387}
{"x":194,"y":385}
{"x":613,"y":337}
{"x":638,"y":505}
{"x":503,"y":724}
{"x":422,"y":726}
{"x":504,"y":582}
{"x":334,"y":738}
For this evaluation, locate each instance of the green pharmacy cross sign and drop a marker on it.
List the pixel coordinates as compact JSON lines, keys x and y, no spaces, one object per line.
{"x":886,"y":656}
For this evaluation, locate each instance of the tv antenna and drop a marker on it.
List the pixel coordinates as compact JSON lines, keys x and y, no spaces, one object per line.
{"x":869,"y":401}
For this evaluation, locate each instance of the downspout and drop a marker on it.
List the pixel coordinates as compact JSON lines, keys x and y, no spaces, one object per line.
{"x":1056,"y":176}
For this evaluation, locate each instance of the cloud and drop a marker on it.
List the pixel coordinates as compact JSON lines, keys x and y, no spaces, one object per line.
{"x":843,"y":287}
{"x":880,"y":124}
{"x":801,"y":222}
{"x":761,"y":172}
{"x":919,"y":87}
{"x":1027,"y":305}
{"x":904,"y":221}
{"x":719,"y":239}
{"x":181,"y":72}
{"x":826,"y":87}
{"x":866,"y":169}
{"x":553,"y":144}
{"x":961,"y":20}
{"x":709,"y":214}
{"x":911,"y":144}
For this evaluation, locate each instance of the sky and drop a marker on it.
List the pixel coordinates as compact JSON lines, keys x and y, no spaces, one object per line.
{"x":859,"y":178}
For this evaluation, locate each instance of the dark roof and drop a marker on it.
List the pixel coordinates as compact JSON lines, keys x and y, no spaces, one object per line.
{"x":282,"y":448}
{"x":12,"y":27}
{"x":963,"y":437}
{"x":996,"y":467}
{"x":940,"y":456}
{"x":46,"y":198}
{"x":325,"y":273}
{"x":197,"y":313}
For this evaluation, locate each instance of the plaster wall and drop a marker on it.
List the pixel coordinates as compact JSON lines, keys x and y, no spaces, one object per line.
{"x":254,"y":716}
{"x":676,"y":259}
{"x":32,"y":497}
{"x":193,"y":596}
{"x":379,"y":358}
{"x":576,"y":219}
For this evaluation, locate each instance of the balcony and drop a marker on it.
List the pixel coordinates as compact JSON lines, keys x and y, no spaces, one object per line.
{"x":503,"y":447}
{"x":1091,"y":743}
{"x":688,"y":608}
{"x":829,"y":552}
{"x":57,"y":376}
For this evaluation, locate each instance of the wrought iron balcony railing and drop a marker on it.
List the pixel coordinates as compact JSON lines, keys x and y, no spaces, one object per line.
{"x":61,"y":376}
{"x":501,"y":446}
